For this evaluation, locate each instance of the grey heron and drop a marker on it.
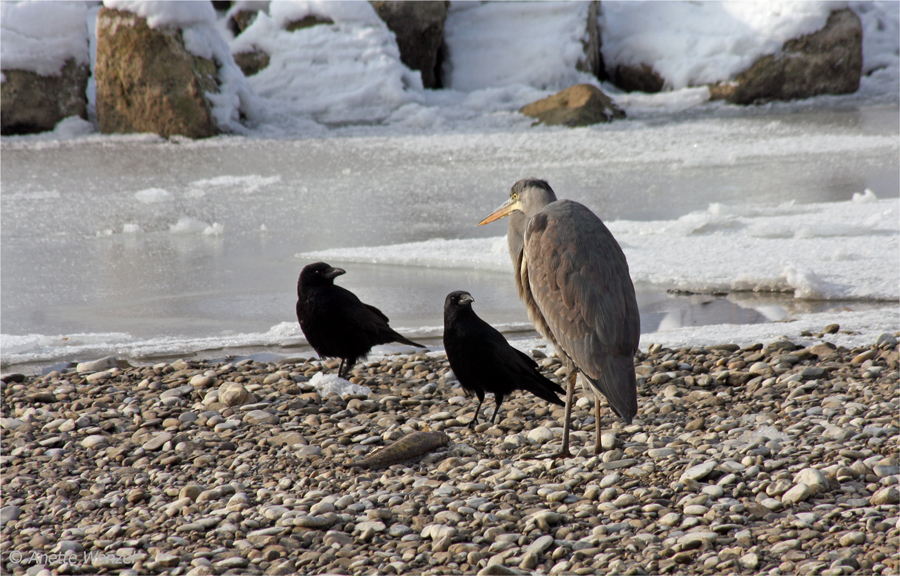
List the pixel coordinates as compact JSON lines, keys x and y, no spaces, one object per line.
{"x":573,"y":277}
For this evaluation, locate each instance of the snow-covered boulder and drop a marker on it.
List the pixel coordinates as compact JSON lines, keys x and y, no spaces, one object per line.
{"x":579,"y":105}
{"x":826,"y":62}
{"x":147,"y":81}
{"x":419,"y":28}
{"x":744,"y":51}
{"x":46,"y":64}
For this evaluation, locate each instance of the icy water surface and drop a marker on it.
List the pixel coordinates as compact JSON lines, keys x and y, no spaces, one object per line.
{"x":192,"y":246}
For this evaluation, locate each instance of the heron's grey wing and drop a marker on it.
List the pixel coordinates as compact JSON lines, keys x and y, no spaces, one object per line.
{"x":579,"y":279}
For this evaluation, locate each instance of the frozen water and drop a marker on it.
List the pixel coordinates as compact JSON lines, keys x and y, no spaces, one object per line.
{"x":769,"y":229}
{"x":779,"y":218}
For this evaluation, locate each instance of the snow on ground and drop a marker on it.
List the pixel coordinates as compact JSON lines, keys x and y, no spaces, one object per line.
{"x":342,"y":73}
{"x":546,"y":35}
{"x":501,"y":56}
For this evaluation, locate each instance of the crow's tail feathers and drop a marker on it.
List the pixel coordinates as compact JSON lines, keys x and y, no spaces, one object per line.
{"x":544,"y":389}
{"x":403,"y":340}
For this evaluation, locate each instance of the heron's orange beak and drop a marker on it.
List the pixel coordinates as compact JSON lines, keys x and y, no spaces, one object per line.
{"x":502,"y":211}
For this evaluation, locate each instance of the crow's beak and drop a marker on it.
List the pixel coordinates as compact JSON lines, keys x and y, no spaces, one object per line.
{"x":334,"y":272}
{"x":465,"y":299}
{"x":503,"y":210}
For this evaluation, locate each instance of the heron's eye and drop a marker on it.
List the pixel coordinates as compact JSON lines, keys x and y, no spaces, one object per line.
{"x":515,"y":197}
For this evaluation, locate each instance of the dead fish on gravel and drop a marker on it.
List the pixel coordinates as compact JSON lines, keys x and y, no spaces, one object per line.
{"x":411,"y":446}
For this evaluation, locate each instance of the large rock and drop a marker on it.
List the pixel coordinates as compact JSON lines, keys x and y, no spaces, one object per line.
{"x":252,"y":61}
{"x":148,"y":82}
{"x":592,"y":63}
{"x":641,"y":78}
{"x":825,"y":62}
{"x":32,"y":102}
{"x":579,"y":105}
{"x":419,"y":28}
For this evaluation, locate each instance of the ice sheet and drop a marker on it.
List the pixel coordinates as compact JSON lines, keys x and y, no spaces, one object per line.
{"x":822,"y":251}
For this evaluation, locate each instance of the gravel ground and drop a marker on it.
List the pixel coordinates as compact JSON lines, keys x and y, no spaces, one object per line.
{"x":769,"y":459}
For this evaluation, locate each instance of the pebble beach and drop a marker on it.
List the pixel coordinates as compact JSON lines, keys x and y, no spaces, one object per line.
{"x":774,"y":458}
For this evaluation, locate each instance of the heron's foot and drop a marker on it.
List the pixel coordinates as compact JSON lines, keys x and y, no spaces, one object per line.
{"x":563,"y":453}
{"x":471,"y":425}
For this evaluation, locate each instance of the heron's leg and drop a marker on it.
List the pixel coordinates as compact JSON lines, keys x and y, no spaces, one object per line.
{"x":598,"y":448}
{"x":474,"y":421}
{"x":571,"y":375}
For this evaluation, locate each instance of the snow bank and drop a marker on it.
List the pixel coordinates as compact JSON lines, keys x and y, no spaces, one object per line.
{"x":40,"y":36}
{"x":346,"y":72}
{"x":497,"y":44}
{"x":501,"y":56}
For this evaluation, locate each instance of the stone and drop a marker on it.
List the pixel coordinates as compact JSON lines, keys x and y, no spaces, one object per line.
{"x":749,"y":561}
{"x":201,"y":381}
{"x":798,"y":493}
{"x":233,"y":394}
{"x":8,"y":514}
{"x":419,"y":29}
{"x":540,"y":435}
{"x":700,"y":471}
{"x":657,"y":453}
{"x":314,"y":522}
{"x":540,"y":545}
{"x":97,"y":365}
{"x":695,"y":424}
{"x":35,"y":102}
{"x":148,"y":82}
{"x":812,"y":479}
{"x":885,"y":496}
{"x":157,"y":441}
{"x":828,"y":61}
{"x":255,"y":417}
{"x":853,"y":538}
{"x":95,"y":441}
{"x":579,"y":105}
{"x":191,"y":491}
{"x":886,"y":341}
{"x":640,"y":78}
{"x":251,"y":61}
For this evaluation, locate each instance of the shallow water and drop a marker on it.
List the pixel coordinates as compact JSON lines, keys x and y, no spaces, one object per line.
{"x":68,"y":268}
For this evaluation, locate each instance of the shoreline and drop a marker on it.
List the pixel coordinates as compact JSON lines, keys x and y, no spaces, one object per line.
{"x":769,"y":458}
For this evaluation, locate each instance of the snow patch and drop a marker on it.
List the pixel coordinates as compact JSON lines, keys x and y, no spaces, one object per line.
{"x":153,"y":196}
{"x":327,"y":384}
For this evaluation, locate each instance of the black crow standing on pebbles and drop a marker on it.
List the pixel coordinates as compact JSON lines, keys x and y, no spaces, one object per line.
{"x":335,"y":322}
{"x":483,"y":361}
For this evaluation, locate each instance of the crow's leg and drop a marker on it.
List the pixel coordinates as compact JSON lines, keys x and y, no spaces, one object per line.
{"x":499,"y":399}
{"x":474,"y":421}
{"x":598,"y":448}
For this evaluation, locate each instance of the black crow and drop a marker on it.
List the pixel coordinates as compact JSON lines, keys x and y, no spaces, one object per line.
{"x":483,"y":360}
{"x":335,"y":322}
